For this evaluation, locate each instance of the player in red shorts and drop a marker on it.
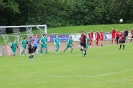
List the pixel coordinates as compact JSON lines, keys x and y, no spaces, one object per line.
{"x":101,"y":37}
{"x":112,"y":32}
{"x":90,"y":35}
{"x":122,"y":39}
{"x":97,"y":37}
{"x":82,"y":45}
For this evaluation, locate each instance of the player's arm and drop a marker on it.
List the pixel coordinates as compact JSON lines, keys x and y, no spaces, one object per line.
{"x":54,"y":41}
{"x":11,"y":45}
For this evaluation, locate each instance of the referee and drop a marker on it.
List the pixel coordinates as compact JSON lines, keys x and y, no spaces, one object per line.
{"x":30,"y":49}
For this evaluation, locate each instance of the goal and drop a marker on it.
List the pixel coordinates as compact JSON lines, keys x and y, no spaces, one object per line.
{"x":17,"y":35}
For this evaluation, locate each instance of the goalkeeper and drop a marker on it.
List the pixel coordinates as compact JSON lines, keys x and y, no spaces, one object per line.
{"x":57,"y":43}
{"x":43,"y":44}
{"x":23,"y":43}
{"x":69,"y":44}
{"x":14,"y":47}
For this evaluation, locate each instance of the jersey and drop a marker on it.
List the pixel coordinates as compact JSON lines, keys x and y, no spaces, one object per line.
{"x":43,"y":40}
{"x":122,"y":37}
{"x":57,"y":41}
{"x":24,"y":42}
{"x":30,"y":44}
{"x":87,"y":40}
{"x":35,"y":42}
{"x":83,"y":39}
{"x":101,"y":35}
{"x":13,"y":45}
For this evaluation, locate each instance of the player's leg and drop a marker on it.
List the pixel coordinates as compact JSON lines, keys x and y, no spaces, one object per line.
{"x":67,"y":46}
{"x":124,"y":45}
{"x":120,"y":44}
{"x":57,"y":48}
{"x":71,"y":49}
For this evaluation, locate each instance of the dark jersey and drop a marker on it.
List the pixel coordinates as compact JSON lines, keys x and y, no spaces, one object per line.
{"x":126,"y":33}
{"x":122,"y":37}
{"x":30,"y":44}
{"x":83,"y":39}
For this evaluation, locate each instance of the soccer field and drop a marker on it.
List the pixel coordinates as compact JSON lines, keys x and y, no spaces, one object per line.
{"x":102,"y":67}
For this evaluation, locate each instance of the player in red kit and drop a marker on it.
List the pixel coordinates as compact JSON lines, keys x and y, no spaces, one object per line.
{"x":101,"y":37}
{"x":112,"y":32}
{"x":117,"y":34}
{"x":90,"y":35}
{"x":97,"y":37}
{"x":82,"y":45}
{"x":122,"y":39}
{"x":131,"y":35}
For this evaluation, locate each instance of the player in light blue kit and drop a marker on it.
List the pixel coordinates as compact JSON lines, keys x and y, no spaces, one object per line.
{"x":35,"y":43}
{"x":57,"y":43}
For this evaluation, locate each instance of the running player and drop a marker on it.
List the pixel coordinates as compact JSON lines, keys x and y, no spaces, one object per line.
{"x":23,"y":43}
{"x":35,"y":43}
{"x":122,"y":39}
{"x":82,"y":45}
{"x":14,"y":47}
{"x":69,"y":44}
{"x":43,"y":44}
{"x":101,"y":37}
{"x":57,"y":43}
{"x":30,"y":49}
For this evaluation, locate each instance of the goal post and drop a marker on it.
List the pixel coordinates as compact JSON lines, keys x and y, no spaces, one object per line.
{"x":16,"y":33}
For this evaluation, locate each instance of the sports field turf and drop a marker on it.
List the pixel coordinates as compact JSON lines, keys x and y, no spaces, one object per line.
{"x":102,"y":67}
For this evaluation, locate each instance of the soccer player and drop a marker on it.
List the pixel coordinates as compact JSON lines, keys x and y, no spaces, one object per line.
{"x":23,"y":43}
{"x":87,"y":42}
{"x":90,"y":34}
{"x":117,"y":34}
{"x":57,"y":43}
{"x":30,"y":49}
{"x":82,"y":45}
{"x":35,"y":43}
{"x":97,"y":37}
{"x":101,"y":37}
{"x":14,"y":47}
{"x":69,"y":44}
{"x":126,"y":35}
{"x":112,"y":32}
{"x":122,"y":39}
{"x":43,"y":44}
{"x":131,"y":35}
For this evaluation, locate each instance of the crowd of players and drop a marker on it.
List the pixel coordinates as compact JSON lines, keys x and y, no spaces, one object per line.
{"x":84,"y":43}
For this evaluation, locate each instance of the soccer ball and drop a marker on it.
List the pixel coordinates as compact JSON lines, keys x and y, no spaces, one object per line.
{"x":121,"y":20}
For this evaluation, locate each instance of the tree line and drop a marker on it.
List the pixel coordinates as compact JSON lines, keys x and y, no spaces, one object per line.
{"x":56,"y":13}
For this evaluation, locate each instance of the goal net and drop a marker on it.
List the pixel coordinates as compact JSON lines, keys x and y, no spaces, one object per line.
{"x":27,"y":31}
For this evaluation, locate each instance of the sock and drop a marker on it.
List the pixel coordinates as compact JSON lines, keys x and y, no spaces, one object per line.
{"x":123,"y":46}
{"x":29,"y":57}
{"x":81,"y":49}
{"x":32,"y":56}
{"x":71,"y":51}
{"x":120,"y":46}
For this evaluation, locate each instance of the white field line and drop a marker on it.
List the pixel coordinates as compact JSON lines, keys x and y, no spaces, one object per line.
{"x":93,"y":76}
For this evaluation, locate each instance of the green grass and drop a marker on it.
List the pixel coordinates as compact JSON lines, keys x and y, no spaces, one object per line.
{"x":102,"y":67}
{"x":86,"y":29}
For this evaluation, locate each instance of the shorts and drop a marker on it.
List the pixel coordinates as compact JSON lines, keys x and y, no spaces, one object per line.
{"x":83,"y":44}
{"x":68,"y":46}
{"x":14,"y":50}
{"x":42,"y":46}
{"x":121,"y":42}
{"x":23,"y":48}
{"x":34,"y":48}
{"x":57,"y":46}
{"x":30,"y":50}
{"x":131,"y":36}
